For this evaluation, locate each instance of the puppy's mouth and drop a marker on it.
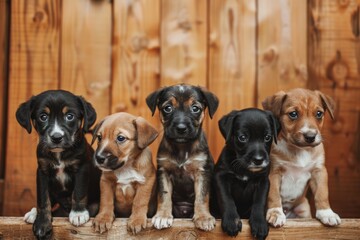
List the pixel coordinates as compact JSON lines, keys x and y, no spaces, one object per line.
{"x":57,"y":150}
{"x":107,"y":168}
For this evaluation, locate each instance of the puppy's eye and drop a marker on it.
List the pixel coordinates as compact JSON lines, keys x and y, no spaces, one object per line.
{"x":43,"y":117}
{"x":268,"y":138}
{"x":242,"y":138}
{"x":99,"y":138}
{"x":120,"y":138}
{"x":293,"y":115}
{"x":319,"y":114}
{"x":195,"y":109}
{"x":69,"y":117}
{"x":168,"y":109}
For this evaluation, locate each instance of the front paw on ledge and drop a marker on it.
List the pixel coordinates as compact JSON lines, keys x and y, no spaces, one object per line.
{"x":328,"y":217}
{"x":275,"y":217}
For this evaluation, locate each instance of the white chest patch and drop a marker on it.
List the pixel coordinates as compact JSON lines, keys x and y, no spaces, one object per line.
{"x":61,"y":175}
{"x":126,"y":176}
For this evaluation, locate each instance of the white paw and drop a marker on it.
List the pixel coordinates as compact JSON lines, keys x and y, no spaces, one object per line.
{"x":162,"y":221}
{"x":276,"y":217}
{"x":30,"y":217}
{"x":328,"y":217}
{"x":78,"y":218}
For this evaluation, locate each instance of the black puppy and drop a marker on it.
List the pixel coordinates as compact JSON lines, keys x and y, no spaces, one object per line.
{"x":185,"y":165}
{"x":241,"y":174}
{"x":65,"y":170}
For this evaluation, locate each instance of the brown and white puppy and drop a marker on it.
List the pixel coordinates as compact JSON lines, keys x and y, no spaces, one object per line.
{"x":298,"y":160}
{"x":128,"y":173}
{"x":185,"y":165}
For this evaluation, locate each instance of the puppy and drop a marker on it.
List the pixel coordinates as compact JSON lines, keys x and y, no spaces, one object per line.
{"x":241,"y":174}
{"x":297,"y":161}
{"x":128,"y":173}
{"x":64,"y":158}
{"x":185,"y":164}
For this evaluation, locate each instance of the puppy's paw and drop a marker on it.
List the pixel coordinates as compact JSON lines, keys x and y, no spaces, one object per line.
{"x":42,"y":227}
{"x":231,"y":224}
{"x":276,"y":217}
{"x":136,"y":223}
{"x":162,"y":220}
{"x":205,"y":222}
{"x":259,"y":227}
{"x":30,"y":216}
{"x":79,"y":218}
{"x":328,"y":217}
{"x":103,"y":222}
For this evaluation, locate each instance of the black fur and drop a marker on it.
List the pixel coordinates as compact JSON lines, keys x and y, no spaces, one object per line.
{"x":241,"y":174}
{"x":64,"y":145}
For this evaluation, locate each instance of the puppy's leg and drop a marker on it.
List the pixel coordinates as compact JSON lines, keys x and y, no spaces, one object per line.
{"x":230,"y":219}
{"x":319,"y":187}
{"x":275,"y":215}
{"x":202,"y":217}
{"x":79,"y":214}
{"x":42,"y":227}
{"x":137,"y":220}
{"x":163,"y":217}
{"x":104,"y":219}
{"x":258,"y":224}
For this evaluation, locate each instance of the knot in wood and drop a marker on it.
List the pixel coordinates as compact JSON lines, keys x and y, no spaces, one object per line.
{"x":186,"y":234}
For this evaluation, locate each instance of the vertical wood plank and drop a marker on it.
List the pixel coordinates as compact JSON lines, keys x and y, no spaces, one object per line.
{"x":282,"y":55}
{"x":333,"y":46}
{"x":86,"y":51}
{"x":232,"y":60}
{"x":135,"y":57}
{"x":183,"y":42}
{"x":34,"y":54}
{"x":4,"y":45}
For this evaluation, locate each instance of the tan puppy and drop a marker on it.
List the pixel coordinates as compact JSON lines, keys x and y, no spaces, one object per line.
{"x":128,"y":173}
{"x":297,"y":161}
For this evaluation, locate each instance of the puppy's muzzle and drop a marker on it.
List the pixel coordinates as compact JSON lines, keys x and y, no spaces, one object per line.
{"x":309,"y":137}
{"x":56,"y":138}
{"x":107,"y":161}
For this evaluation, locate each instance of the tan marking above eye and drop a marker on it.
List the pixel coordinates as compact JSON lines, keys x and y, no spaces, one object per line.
{"x":65,"y":110}
{"x":47,"y":110}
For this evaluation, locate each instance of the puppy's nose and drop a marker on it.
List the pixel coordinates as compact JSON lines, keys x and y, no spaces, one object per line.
{"x":258,"y":160}
{"x":309,"y":137}
{"x":181,"y":128}
{"x":56,"y":137}
{"x":100,"y":158}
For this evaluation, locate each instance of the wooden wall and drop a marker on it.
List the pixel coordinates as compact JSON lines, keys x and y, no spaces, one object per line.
{"x":114,"y":53}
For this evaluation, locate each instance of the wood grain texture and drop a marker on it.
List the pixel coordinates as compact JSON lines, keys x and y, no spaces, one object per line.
{"x":135,"y":58}
{"x":282,"y":56}
{"x":34,"y":58}
{"x":86,"y":28}
{"x":15,"y":228}
{"x":232,"y":60}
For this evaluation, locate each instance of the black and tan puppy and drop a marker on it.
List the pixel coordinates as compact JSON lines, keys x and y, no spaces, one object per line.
{"x":185,"y":164}
{"x":64,"y":158}
{"x":241,"y":174}
{"x":128,"y":173}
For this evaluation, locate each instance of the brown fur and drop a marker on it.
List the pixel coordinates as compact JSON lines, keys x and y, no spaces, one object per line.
{"x":131,"y":199}
{"x":298,"y":155}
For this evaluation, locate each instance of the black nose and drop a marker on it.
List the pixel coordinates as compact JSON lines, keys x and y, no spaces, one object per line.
{"x":181,"y":128}
{"x":258,"y":160}
{"x":100,"y":158}
{"x":309,"y":137}
{"x":57,"y":137}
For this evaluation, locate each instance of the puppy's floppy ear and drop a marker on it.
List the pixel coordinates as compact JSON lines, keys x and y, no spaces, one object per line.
{"x":328,"y":103}
{"x":146,"y":133}
{"x":89,"y":114}
{"x":97,"y":127}
{"x":211,"y":101}
{"x":226,"y":124}
{"x":274,"y":103}
{"x":275,"y":124}
{"x":23,"y":114}
{"x":152,"y":100}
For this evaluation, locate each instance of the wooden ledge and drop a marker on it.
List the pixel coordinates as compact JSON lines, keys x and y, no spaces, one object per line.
{"x":15,"y":228}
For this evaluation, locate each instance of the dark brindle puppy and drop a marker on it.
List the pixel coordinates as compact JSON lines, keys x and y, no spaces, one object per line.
{"x":184,"y":161}
{"x":241,"y":174}
{"x":64,"y":158}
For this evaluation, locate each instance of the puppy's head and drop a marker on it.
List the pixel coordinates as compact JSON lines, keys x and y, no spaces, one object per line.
{"x":121,"y":136}
{"x":58,"y":116}
{"x":182,"y":110}
{"x":250,"y":133}
{"x":301,"y":113}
